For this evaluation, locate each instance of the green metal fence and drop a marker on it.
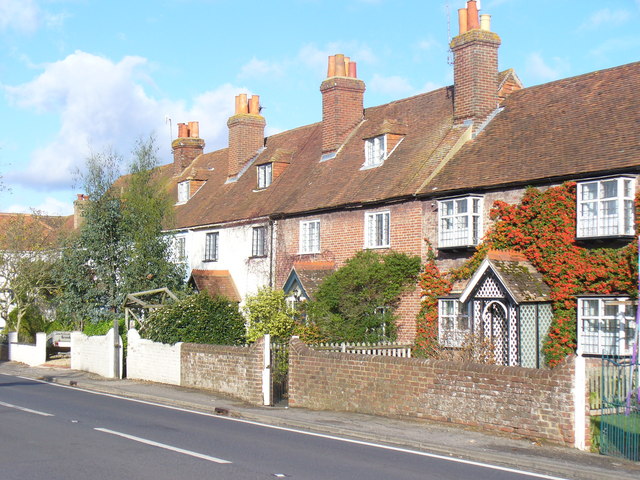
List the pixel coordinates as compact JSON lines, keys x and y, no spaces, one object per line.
{"x":620,"y":408}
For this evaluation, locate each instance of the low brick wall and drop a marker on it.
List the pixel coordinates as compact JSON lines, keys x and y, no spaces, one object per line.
{"x":235,"y":371}
{"x":95,"y":354}
{"x":527,"y":402}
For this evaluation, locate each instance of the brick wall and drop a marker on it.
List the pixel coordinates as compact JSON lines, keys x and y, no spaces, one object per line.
{"x":342,"y":236}
{"x":342,"y":109}
{"x":246,"y":137}
{"x":152,"y":361}
{"x":235,"y":371}
{"x":526,"y":402}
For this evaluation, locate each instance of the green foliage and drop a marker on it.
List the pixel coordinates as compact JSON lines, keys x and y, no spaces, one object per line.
{"x":120,"y":248}
{"x":198,"y":318}
{"x":31,"y":322}
{"x":356,"y":303}
{"x":267,"y":312}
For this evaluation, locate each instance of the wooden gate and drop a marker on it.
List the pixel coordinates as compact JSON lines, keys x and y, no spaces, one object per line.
{"x":279,"y":374}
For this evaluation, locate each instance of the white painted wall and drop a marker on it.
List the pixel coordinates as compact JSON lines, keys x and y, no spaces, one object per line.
{"x":155,"y":362}
{"x":30,"y":354}
{"x":95,"y":354}
{"x":234,"y":255}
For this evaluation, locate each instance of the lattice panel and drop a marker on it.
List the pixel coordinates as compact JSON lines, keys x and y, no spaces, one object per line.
{"x":513,"y":336}
{"x":495,"y":322}
{"x":490,"y":288}
{"x":528,"y":345}
{"x":545,"y":317}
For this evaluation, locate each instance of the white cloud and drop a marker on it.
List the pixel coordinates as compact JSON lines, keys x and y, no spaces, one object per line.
{"x":103,"y":104}
{"x":25,"y":16}
{"x":260,"y":68}
{"x":50,"y":206}
{"x":537,"y":68}
{"x":606,"y":17}
{"x":394,"y":85}
{"x":613,"y":45}
{"x":20,"y":15}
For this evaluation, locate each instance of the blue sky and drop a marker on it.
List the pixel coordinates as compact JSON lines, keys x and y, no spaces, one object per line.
{"x":78,"y":76}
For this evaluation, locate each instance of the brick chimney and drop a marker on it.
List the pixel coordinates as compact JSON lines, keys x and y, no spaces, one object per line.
{"x":342,"y":102}
{"x":186,"y":147}
{"x":246,"y":132}
{"x":79,"y":206}
{"x":475,"y":66}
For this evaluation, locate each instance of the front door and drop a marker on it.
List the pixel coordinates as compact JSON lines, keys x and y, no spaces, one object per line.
{"x":496,"y":330}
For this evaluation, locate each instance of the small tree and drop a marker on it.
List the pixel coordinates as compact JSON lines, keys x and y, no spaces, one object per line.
{"x":198,"y":318}
{"x":267,"y":312}
{"x":356,"y":303}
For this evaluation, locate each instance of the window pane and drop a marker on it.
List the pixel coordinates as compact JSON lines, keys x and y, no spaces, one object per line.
{"x":609,"y":189}
{"x":461,"y":205}
{"x":589,"y":191}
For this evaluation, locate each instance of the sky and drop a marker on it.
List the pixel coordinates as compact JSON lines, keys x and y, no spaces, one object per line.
{"x":87,"y":76}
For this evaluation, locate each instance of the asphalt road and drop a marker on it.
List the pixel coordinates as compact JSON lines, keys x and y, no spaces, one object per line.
{"x":49,"y":431}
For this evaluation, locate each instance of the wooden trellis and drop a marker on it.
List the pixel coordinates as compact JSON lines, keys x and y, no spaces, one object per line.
{"x":137,"y":305}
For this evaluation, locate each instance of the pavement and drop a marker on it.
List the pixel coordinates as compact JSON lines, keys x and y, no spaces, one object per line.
{"x":417,"y":434}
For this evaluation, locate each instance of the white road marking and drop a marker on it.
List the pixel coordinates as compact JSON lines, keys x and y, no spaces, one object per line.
{"x":24,"y":409}
{"x":312,"y":434}
{"x":163,"y":445}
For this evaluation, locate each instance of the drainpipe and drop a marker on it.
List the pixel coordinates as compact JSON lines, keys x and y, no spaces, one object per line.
{"x":273,"y":224}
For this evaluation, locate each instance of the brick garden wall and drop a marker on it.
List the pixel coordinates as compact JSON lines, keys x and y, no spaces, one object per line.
{"x":521,"y":401}
{"x":236,"y":371}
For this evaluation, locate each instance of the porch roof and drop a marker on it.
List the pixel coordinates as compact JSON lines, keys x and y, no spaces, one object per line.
{"x":518,"y":276}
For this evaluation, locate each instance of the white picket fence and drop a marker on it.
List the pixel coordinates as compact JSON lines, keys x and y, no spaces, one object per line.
{"x":389,"y":349}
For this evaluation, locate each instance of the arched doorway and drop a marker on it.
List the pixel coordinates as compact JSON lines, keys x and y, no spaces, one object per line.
{"x":496,"y":330}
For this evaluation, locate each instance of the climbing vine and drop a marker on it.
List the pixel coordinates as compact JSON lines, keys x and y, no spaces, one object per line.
{"x":543,"y":227}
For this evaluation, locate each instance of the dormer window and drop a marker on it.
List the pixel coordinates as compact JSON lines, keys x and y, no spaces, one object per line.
{"x":375,"y":151}
{"x":183,"y":191}
{"x":265,"y":175}
{"x":605,"y":208}
{"x":459,"y":222}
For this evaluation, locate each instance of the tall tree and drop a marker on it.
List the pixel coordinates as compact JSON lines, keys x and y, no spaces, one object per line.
{"x":120,"y":247}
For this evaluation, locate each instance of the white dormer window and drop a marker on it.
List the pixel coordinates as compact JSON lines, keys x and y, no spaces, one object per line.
{"x":605,"y":208}
{"x":183,"y":192}
{"x":459,"y":222}
{"x":265,"y":175}
{"x":375,"y":151}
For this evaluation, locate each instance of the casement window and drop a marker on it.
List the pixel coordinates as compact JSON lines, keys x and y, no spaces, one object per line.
{"x":259,"y":242}
{"x":183,"y":192}
{"x":310,"y":236}
{"x":605,"y":208}
{"x":375,"y":151}
{"x":211,"y":247}
{"x":606,"y":325}
{"x":459,"y":222}
{"x":454,"y":328}
{"x":180,"y":248}
{"x":377,"y":230}
{"x":265,"y":175}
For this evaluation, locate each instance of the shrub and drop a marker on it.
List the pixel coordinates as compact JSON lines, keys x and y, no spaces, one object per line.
{"x":198,"y":318}
{"x":267,"y":312}
{"x":356,"y":303}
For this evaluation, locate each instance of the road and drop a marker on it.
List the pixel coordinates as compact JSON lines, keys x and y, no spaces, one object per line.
{"x":50,"y":431}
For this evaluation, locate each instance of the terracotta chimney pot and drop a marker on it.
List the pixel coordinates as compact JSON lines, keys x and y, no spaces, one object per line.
{"x":331,"y":71}
{"x":183,"y":130}
{"x":472,"y":15}
{"x":243,"y":106}
{"x":254,"y":105}
{"x":353,"y":72}
{"x":340,"y":72}
{"x":462,"y":20}
{"x":194,"y":129}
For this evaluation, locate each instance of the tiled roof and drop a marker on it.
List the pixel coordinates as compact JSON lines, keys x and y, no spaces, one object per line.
{"x":576,"y":127}
{"x":49,"y":229}
{"x":215,"y":282}
{"x":311,"y":274}
{"x":308,"y":184}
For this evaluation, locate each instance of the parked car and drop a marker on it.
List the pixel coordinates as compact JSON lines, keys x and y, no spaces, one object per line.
{"x":59,"y":341}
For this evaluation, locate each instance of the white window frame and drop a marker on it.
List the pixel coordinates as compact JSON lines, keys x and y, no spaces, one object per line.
{"x":180,"y":248}
{"x":602,"y":320}
{"x":310,"y":236}
{"x":259,"y":242}
{"x":460,"y":221}
{"x":211,"y":247}
{"x":377,"y":229}
{"x":375,"y":151}
{"x":606,"y":207}
{"x":265,"y":175}
{"x":183,"y":191}
{"x":453,"y":326}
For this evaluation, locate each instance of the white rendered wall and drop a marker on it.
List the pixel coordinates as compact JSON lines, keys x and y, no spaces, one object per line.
{"x":234,"y":255}
{"x":95,"y":354}
{"x":30,"y":354}
{"x":155,"y":362}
